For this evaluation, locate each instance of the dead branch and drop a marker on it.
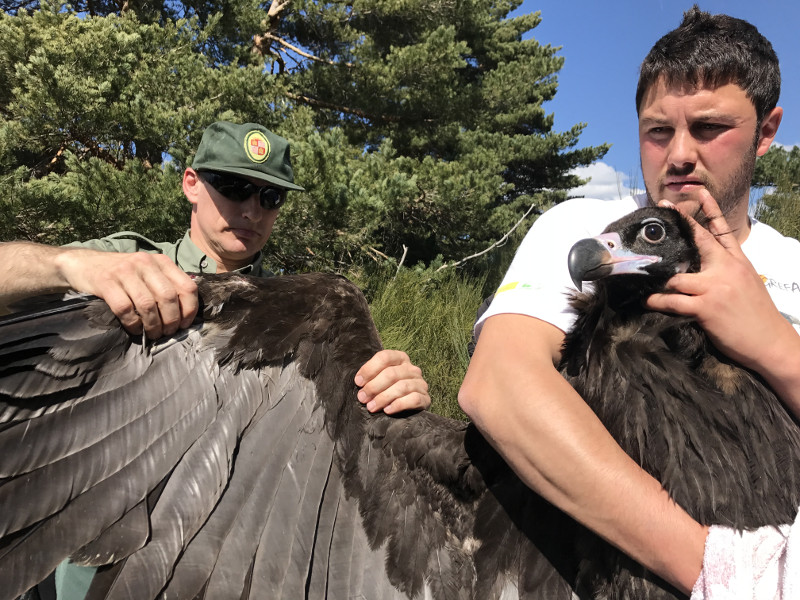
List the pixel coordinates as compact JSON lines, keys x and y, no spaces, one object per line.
{"x":302,"y":52}
{"x":499,"y":242}
{"x":402,"y":260}
{"x":378,"y":252}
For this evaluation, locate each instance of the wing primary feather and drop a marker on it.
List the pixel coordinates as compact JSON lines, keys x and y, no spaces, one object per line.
{"x":284,"y":551}
{"x":241,"y":542}
{"x":49,"y":488}
{"x":68,"y":530}
{"x":193,"y":488}
{"x":228,"y":534}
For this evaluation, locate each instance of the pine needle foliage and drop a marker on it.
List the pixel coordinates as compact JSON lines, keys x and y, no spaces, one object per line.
{"x":415,"y":124}
{"x":430,"y":316}
{"x":779,"y":168}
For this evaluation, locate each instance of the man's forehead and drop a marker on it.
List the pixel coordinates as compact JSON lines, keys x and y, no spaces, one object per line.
{"x":705,"y":99}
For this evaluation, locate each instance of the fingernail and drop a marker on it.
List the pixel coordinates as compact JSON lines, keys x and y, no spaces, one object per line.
{"x":666,"y":204}
{"x":371,"y":406}
{"x":359,"y":380}
{"x":362,"y":396}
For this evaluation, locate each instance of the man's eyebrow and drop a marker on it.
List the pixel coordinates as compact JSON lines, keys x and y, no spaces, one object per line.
{"x":699,"y":118}
{"x":716,"y":116}
{"x":654,"y":121}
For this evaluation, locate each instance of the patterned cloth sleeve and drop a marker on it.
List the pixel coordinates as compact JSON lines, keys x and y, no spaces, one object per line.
{"x":762,"y":564}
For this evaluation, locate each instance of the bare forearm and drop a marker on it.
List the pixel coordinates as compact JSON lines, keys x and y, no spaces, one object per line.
{"x":145,"y":291}
{"x":558,"y":446}
{"x":28,"y":269}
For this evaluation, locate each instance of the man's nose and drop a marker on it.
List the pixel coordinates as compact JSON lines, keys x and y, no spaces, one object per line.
{"x":251,"y":208}
{"x":682,"y":151}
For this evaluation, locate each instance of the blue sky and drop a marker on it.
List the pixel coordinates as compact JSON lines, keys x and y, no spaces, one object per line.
{"x":603,"y":43}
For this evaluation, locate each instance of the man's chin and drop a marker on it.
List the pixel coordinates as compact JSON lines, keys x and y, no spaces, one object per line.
{"x":241,"y":250}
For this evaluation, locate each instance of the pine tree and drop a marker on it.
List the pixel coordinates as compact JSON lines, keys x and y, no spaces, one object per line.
{"x":779,"y":169}
{"x":99,"y":115}
{"x":418,"y":126}
{"x":449,"y":97}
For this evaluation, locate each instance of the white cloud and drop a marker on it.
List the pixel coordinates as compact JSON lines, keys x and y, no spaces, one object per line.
{"x":606,"y":182}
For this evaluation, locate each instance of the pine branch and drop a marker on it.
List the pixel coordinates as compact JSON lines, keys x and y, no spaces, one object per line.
{"x":301,"y":52}
{"x":345,"y":109}
{"x":276,"y":8}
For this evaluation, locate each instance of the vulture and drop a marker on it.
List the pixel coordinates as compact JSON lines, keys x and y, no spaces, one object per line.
{"x":233,"y":461}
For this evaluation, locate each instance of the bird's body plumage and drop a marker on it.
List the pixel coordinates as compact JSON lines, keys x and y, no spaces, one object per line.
{"x":233,"y":461}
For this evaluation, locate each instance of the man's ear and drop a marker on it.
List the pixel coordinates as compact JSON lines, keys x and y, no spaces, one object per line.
{"x":191,"y":184}
{"x":768,"y":130}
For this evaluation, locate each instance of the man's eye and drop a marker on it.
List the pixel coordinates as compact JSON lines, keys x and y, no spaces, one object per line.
{"x":710,"y":128}
{"x":659,"y":132}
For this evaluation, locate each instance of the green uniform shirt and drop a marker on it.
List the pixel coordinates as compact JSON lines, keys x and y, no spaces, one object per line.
{"x":183,"y":253}
{"x":73,"y":581}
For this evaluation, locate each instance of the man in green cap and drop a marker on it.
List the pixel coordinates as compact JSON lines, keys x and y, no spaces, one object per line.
{"x":236,"y":185}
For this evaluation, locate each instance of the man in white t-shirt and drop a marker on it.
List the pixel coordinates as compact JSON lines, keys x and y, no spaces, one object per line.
{"x":707,"y":107}
{"x":539,"y":287}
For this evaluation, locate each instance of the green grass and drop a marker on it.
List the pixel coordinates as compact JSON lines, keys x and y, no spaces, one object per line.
{"x":430,"y":317}
{"x":781,"y":210}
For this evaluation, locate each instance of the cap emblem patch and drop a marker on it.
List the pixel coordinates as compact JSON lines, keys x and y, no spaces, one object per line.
{"x":256,"y":146}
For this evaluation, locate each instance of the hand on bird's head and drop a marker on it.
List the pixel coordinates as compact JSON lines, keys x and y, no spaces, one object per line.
{"x":727,"y":297}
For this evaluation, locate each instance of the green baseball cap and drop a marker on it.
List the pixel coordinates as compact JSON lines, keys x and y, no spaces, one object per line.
{"x":249,"y":149}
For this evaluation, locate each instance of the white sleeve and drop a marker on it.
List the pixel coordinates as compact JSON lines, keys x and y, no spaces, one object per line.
{"x":761,"y":564}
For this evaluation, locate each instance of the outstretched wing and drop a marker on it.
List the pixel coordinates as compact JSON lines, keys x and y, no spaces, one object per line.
{"x":231,"y":460}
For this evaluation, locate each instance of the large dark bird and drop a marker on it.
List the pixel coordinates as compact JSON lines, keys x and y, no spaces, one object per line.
{"x":233,"y":461}
{"x":715,"y":436}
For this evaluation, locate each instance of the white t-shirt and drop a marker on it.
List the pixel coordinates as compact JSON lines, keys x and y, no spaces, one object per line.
{"x":538,"y":283}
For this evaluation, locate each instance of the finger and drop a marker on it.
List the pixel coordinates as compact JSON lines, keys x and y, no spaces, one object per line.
{"x":175,"y":294}
{"x":414,"y":401}
{"x":405,"y":378}
{"x":405,"y":394}
{"x":146,"y":307}
{"x":716,"y":223}
{"x":382,"y":360}
{"x":716,"y":230}
{"x":687,"y":283}
{"x":122,"y":306}
{"x":185,"y":290}
{"x":679,"y":304}
{"x":160,"y":302}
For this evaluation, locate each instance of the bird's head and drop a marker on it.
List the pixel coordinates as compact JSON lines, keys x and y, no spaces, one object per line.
{"x":646,"y":247}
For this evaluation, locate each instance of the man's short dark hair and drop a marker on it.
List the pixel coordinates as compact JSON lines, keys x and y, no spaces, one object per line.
{"x":714,"y":50}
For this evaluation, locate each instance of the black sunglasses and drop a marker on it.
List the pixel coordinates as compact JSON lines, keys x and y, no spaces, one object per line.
{"x":239,"y":189}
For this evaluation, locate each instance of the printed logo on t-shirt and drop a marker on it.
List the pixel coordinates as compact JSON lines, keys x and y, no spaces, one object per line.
{"x":780,"y":289}
{"x":514,"y":285}
{"x":784,"y":286}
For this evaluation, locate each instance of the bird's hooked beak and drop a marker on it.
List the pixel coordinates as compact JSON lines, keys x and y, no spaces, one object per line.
{"x":594,"y":258}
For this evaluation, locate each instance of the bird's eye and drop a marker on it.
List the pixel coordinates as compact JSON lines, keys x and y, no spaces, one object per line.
{"x":653,"y":232}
